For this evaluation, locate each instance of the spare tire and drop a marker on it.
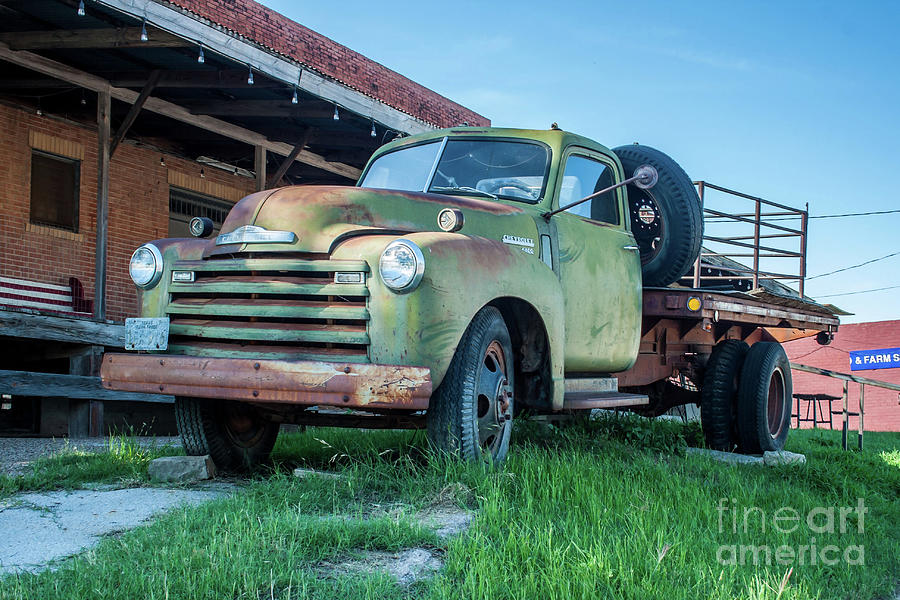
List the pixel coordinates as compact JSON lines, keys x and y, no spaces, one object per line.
{"x":666,"y":220}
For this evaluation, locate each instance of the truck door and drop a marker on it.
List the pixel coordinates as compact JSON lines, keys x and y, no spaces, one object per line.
{"x":599,"y":267}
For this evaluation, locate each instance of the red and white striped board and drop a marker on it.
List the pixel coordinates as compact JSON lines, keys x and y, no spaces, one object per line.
{"x":45,"y":297}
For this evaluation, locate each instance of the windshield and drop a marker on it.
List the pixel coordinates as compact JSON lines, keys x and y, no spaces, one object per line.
{"x":486,"y":167}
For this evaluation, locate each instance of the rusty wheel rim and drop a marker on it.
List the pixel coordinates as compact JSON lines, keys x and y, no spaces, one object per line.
{"x":242,"y":424}
{"x":775,"y":404}
{"x":492,"y":399}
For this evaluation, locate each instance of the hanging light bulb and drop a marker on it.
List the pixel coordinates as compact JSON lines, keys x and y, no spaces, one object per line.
{"x":249,"y":75}
{"x":374,"y":133}
{"x":83,"y":101}
{"x":336,"y":117}
{"x":80,"y":8}
{"x":200,"y":58}
{"x":294,"y":99}
{"x":144,"y":36}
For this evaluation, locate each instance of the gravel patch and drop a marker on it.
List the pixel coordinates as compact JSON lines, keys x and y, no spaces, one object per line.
{"x":40,"y":528}
{"x":16,"y":453}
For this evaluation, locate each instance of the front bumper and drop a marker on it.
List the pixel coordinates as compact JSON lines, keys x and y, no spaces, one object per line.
{"x":290,"y":382}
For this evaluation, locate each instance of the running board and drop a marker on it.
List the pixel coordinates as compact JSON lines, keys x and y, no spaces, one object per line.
{"x":589,"y":400}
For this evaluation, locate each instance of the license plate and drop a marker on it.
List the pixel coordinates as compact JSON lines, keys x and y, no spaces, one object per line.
{"x":147,"y":334}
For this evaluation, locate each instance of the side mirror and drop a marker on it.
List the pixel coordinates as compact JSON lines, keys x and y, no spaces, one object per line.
{"x":645,"y":177}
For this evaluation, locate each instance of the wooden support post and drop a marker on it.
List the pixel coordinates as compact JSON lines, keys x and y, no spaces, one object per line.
{"x":104,"y":108}
{"x":862,"y":412}
{"x":85,"y":414}
{"x":260,"y":165}
{"x":846,"y":399}
{"x":286,"y":164}
{"x":134,"y":111}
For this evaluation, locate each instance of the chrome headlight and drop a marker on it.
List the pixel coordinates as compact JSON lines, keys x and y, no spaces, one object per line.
{"x":401,"y":266}
{"x":146,"y":266}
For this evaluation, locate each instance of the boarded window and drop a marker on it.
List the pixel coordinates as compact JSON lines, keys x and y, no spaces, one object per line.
{"x":184,"y":205}
{"x":54,"y":190}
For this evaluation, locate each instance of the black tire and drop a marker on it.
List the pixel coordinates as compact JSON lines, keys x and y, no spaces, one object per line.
{"x":764,"y":399}
{"x":718,"y":395}
{"x":234,"y":434}
{"x":470,"y":414}
{"x":666,"y":220}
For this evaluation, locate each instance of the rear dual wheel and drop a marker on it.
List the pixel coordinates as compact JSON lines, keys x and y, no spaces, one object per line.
{"x":764,"y":399}
{"x":746,"y":397}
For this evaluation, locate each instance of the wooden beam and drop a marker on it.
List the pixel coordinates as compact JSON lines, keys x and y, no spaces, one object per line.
{"x":104,"y":107}
{"x":259,"y":161}
{"x":263,"y":108}
{"x":134,"y":111}
{"x":286,"y":163}
{"x":79,"y":387}
{"x":159,"y":106}
{"x":64,"y":39}
{"x":194,"y":79}
{"x":61,"y":329}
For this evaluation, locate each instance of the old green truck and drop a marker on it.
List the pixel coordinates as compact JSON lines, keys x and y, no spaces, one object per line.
{"x":473,"y":275}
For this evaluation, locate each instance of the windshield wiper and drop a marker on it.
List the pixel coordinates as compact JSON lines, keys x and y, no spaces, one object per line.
{"x":461,"y":188}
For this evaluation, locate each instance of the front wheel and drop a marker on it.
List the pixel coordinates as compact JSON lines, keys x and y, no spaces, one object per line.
{"x":470,"y":414}
{"x":764,"y":399}
{"x":234,"y":434}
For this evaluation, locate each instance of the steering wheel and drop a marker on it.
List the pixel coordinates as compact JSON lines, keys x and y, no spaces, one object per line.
{"x":509,"y":183}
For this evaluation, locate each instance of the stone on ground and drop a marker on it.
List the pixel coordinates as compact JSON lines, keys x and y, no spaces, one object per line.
{"x":182,"y":469}
{"x":768,"y":459}
{"x":783,"y":457}
{"x":306,"y":473}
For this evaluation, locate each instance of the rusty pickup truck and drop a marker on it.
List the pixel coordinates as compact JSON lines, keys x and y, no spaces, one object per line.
{"x":473,"y":274}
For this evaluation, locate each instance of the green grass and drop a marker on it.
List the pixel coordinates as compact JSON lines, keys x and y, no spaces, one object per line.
{"x":611,"y":508}
{"x":123,"y":463}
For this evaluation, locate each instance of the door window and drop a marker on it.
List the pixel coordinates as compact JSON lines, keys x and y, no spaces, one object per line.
{"x":584,"y":176}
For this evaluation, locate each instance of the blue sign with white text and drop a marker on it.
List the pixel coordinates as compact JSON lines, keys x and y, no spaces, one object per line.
{"x":887,"y":358}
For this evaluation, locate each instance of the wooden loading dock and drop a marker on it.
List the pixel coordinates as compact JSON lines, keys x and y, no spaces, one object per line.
{"x":143,"y":110}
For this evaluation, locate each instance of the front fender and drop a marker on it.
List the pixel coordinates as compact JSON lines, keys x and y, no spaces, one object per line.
{"x":462,"y":275}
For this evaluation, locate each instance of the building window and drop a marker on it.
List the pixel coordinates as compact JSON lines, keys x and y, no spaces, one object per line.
{"x":184,"y":205}
{"x":54,"y":190}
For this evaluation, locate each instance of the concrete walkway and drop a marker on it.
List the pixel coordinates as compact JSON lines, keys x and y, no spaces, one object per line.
{"x":39,"y":528}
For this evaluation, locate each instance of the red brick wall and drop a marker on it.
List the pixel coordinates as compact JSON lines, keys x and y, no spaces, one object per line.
{"x":882,"y":412}
{"x":138,"y":208}
{"x":288,"y":38}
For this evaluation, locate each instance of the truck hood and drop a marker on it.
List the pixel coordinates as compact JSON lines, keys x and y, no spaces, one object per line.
{"x":320,"y":216}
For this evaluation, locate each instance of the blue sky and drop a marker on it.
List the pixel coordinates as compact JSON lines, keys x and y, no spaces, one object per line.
{"x":795,"y":102}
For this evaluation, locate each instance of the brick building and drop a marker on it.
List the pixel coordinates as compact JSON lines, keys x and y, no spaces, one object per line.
{"x":882,"y":411}
{"x":121,"y":119}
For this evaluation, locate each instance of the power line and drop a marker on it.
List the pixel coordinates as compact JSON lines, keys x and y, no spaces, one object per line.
{"x":868,"y":262}
{"x":862,"y":214}
{"x":838,"y":216}
{"x":893,"y":287}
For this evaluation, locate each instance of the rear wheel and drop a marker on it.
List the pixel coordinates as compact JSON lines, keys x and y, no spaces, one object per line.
{"x":718,"y":396}
{"x":234,"y":434}
{"x":764,"y":399}
{"x":470,"y":414}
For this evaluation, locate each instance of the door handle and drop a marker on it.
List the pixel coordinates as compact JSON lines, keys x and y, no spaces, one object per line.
{"x":635,"y":248}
